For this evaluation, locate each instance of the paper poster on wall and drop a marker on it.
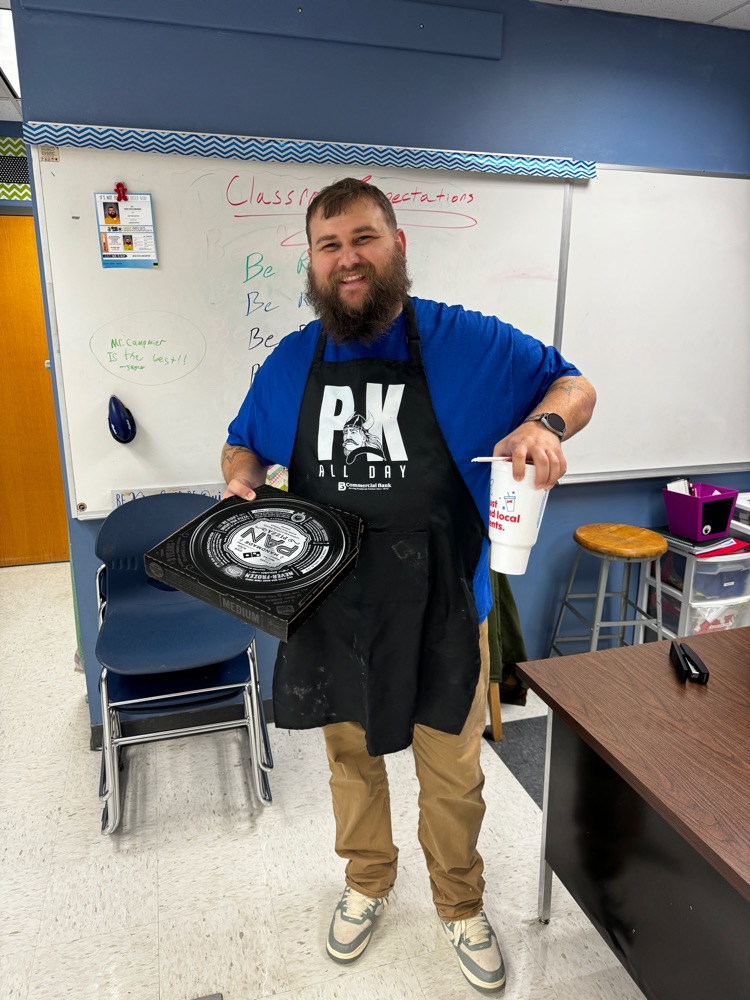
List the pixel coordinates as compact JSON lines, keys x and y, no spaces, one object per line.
{"x":126,"y":230}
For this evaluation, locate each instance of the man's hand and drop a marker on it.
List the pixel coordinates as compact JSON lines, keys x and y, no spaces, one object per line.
{"x":532,"y":442}
{"x":573,"y":397}
{"x":243,"y":472}
{"x":239,"y":488}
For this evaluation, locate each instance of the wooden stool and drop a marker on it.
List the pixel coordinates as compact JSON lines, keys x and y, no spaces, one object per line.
{"x":496,"y":718}
{"x":612,"y":543}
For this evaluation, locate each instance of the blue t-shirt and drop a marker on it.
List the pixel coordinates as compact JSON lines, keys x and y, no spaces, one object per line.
{"x":484,"y":378}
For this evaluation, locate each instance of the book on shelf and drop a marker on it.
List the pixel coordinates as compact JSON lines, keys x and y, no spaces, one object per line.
{"x":691,"y":545}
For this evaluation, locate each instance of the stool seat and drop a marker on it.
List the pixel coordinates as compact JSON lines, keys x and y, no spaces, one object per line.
{"x":621,"y":541}
{"x":611,"y":544}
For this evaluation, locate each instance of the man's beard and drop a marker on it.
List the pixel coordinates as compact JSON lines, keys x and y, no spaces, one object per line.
{"x":367,"y":322}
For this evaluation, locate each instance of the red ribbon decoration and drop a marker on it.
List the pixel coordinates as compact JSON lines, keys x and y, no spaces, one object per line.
{"x":120,"y":190}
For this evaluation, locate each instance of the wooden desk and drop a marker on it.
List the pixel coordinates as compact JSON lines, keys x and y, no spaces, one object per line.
{"x":647,"y":809}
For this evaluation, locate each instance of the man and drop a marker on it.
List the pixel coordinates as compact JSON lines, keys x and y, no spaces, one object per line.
{"x":112,"y":215}
{"x":378,"y":407}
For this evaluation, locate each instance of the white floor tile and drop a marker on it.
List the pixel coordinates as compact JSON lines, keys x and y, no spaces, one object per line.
{"x":204,"y":787}
{"x":396,"y":981}
{"x":567,"y":948}
{"x":87,"y":897}
{"x":79,"y":831}
{"x":35,"y":786}
{"x":232,"y":949}
{"x":110,"y":966}
{"x":22,"y":894}
{"x":609,"y":984}
{"x":208,"y":872}
{"x":298,"y":853}
{"x":15,"y":972}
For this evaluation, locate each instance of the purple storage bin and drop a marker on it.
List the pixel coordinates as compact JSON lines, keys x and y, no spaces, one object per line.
{"x":701,"y":517}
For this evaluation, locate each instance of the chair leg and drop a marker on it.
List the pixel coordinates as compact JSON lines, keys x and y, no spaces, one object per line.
{"x":109,"y":779}
{"x":255,"y":721}
{"x":496,"y":720}
{"x":264,"y":744}
{"x":260,"y":777}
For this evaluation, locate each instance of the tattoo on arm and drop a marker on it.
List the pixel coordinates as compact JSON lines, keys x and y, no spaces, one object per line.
{"x":232,"y":452}
{"x":570,"y":386}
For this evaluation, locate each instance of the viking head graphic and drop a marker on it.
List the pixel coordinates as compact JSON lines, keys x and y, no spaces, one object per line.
{"x":357,"y":438}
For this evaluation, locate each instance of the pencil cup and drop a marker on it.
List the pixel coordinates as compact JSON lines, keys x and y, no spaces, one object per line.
{"x":516,"y":511}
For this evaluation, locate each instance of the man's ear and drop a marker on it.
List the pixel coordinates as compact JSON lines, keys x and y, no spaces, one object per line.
{"x":401,"y":239}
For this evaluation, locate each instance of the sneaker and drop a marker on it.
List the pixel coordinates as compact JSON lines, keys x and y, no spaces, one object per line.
{"x":478,"y":952}
{"x":352,"y":925}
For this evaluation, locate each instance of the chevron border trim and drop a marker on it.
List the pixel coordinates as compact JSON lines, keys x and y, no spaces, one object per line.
{"x":301,"y":151}
{"x":12,"y":146}
{"x":15,"y":192}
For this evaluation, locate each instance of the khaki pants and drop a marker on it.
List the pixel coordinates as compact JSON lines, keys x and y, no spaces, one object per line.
{"x":451,"y":807}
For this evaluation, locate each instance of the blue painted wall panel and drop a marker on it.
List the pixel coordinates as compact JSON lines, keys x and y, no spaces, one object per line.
{"x":571,"y":82}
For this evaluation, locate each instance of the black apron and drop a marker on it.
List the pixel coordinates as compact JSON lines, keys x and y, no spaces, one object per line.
{"x":397,"y":643}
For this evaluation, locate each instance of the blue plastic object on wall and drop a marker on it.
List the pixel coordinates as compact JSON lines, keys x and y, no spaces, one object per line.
{"x":121,"y":421}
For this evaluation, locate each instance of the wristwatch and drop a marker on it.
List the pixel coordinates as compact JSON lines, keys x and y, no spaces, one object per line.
{"x":552,"y":421}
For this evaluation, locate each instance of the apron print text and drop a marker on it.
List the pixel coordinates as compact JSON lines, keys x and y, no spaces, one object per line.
{"x":361,"y":449}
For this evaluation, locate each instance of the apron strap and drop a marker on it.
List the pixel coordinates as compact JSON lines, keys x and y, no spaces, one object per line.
{"x":412,"y":332}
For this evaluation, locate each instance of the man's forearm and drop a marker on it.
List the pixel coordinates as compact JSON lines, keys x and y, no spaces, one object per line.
{"x":573,"y":397}
{"x":241,"y":464}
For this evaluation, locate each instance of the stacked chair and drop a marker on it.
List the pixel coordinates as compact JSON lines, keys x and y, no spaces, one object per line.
{"x":171,"y":665}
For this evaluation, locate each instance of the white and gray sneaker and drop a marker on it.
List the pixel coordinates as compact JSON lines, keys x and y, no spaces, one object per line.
{"x":352,"y":925}
{"x":478,"y":952}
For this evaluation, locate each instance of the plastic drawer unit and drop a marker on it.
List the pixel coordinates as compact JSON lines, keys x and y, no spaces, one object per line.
{"x":720,"y":578}
{"x":699,"y":594}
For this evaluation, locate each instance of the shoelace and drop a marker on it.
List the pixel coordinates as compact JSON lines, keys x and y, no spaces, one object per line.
{"x":356,"y":906}
{"x":475,"y":931}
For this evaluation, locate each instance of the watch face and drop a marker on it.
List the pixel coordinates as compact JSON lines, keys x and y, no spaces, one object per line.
{"x":555,"y":423}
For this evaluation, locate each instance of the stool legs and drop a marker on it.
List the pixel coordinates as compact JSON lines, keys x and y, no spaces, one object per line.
{"x":632,"y":614}
{"x":601,"y":592}
{"x":624,"y":602}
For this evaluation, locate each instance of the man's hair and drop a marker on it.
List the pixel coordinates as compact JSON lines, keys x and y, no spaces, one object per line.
{"x":336,"y":198}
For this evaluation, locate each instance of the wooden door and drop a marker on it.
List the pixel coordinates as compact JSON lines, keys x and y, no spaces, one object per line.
{"x":33,"y":521}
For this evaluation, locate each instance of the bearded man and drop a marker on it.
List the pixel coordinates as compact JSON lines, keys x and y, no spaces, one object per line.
{"x":398,"y":654}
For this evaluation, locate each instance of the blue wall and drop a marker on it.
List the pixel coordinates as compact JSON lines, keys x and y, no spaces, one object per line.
{"x":571,"y":82}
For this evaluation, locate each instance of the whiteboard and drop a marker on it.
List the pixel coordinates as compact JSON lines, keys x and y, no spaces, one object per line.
{"x":657,"y":315}
{"x":179,"y":344}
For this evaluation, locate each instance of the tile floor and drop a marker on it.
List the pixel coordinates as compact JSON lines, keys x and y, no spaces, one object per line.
{"x":206,"y":892}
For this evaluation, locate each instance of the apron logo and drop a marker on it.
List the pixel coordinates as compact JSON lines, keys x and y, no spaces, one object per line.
{"x":359,"y":441}
{"x":378,"y":437}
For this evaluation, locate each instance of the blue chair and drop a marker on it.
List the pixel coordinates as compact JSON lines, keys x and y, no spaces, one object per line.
{"x":168,"y":660}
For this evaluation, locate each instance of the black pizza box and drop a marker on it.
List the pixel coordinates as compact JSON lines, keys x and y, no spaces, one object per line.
{"x":271,"y":561}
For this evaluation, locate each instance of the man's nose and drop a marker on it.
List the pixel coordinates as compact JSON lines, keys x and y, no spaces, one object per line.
{"x":349,"y":257}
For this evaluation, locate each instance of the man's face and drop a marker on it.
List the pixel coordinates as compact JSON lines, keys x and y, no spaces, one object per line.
{"x":347,"y":248}
{"x":111,"y":211}
{"x":357,"y":277}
